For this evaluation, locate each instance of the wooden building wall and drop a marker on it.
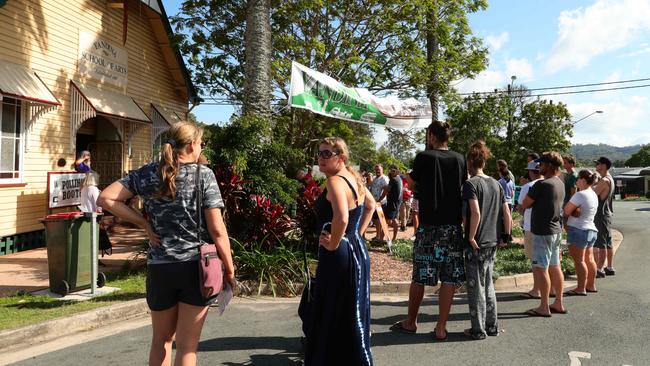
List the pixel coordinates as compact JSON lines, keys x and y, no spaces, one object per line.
{"x":44,"y":35}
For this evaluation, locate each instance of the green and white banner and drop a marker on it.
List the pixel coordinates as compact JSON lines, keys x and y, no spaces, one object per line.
{"x":322,"y":94}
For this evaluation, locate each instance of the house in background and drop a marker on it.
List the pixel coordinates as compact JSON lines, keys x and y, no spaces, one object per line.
{"x":632,"y":182}
{"x":97,"y":75}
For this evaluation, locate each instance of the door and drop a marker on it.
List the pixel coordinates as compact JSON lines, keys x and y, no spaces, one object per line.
{"x":107,"y":162}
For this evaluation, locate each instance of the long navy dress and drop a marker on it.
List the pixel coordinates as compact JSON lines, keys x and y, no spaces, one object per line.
{"x":340,"y":314}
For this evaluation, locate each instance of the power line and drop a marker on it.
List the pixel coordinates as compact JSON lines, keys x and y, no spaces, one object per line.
{"x":581,"y":91}
{"x":570,"y":86}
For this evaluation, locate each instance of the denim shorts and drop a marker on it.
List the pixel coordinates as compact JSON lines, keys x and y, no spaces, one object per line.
{"x":581,"y":238}
{"x":546,"y":250}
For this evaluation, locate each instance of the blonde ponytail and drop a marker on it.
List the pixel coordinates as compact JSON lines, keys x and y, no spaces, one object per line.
{"x":181,"y":134}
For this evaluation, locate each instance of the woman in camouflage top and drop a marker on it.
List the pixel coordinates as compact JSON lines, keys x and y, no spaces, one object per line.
{"x":168,"y":189}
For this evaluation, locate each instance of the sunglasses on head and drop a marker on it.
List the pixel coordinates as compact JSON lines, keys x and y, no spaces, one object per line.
{"x":326,"y":154}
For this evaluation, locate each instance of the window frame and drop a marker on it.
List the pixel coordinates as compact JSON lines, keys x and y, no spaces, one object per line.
{"x":20,"y":139}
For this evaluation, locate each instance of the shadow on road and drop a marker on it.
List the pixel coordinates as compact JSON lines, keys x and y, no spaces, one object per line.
{"x":289,"y":349}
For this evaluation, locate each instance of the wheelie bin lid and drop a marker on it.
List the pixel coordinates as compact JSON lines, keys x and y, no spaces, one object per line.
{"x":62,"y":216}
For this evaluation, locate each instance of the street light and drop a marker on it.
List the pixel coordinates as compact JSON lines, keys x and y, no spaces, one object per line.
{"x":585,"y":117}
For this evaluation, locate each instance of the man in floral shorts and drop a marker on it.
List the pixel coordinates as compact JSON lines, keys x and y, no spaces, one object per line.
{"x":437,"y":176}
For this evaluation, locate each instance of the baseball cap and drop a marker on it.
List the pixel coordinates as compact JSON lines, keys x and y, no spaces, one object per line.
{"x":532,"y":165}
{"x":604,"y":160}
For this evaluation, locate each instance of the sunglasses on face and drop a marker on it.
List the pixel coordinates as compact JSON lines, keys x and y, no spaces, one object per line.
{"x":326,"y":154}
{"x":203,"y":144}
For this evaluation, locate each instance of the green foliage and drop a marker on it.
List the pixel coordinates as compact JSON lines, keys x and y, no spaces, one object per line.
{"x":510,"y":260}
{"x":246,"y":145}
{"x":640,"y":158}
{"x":535,"y":125}
{"x":279,"y":268}
{"x":403,"y":249}
{"x":517,"y":231}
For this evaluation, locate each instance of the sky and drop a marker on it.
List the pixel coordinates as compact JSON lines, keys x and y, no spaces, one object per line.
{"x":551,"y":43}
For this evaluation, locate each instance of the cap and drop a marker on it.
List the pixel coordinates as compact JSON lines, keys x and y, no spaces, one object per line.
{"x":532,"y":165}
{"x":604,"y":160}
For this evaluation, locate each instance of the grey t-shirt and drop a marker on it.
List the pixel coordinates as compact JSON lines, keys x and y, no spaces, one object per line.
{"x":175,"y":221}
{"x":546,"y":218}
{"x":489,"y":194}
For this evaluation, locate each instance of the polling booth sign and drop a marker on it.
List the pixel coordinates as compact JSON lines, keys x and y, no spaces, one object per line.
{"x":64,"y":189}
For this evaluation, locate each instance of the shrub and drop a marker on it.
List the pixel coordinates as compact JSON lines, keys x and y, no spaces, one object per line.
{"x":403,"y":249}
{"x":279,"y":267}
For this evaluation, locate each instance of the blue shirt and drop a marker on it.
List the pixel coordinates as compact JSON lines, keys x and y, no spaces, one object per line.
{"x":508,"y":190}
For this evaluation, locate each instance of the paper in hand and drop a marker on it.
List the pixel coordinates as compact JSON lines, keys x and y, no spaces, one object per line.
{"x":224,"y":297}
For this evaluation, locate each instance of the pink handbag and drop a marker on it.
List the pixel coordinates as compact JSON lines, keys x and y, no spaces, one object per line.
{"x":210,"y":265}
{"x":210,"y":271}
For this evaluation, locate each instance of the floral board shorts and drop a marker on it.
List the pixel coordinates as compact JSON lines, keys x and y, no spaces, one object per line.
{"x":438,"y":255}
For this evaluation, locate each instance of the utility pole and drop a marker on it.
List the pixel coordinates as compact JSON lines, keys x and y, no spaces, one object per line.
{"x":511,"y":117}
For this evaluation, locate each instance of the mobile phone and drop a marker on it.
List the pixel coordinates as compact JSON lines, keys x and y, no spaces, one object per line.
{"x":327,"y":227}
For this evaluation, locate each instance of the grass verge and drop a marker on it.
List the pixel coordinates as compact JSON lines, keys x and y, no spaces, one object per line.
{"x":25,"y":309}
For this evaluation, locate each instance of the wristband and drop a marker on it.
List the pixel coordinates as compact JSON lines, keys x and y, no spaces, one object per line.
{"x":506,"y":238}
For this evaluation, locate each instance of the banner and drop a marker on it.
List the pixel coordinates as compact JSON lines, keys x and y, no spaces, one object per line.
{"x":322,"y":94}
{"x":64,"y":188}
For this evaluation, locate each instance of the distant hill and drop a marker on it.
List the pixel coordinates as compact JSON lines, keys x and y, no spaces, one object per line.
{"x":589,"y":152}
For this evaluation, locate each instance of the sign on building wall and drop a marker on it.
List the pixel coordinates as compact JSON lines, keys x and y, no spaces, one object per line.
{"x":102,"y":60}
{"x":64,"y":188}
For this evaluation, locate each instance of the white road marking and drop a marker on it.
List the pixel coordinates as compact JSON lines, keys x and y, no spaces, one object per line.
{"x":575,"y":357}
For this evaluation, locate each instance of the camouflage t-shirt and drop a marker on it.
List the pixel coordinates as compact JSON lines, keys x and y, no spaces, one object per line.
{"x":175,"y":221}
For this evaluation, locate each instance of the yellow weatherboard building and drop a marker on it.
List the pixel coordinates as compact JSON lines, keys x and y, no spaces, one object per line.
{"x":96,"y":75}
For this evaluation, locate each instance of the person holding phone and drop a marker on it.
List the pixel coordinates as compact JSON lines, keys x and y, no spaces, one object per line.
{"x":82,"y":164}
{"x":338,"y":323}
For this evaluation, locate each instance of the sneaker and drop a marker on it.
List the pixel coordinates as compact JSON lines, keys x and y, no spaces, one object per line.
{"x":610,"y":271}
{"x":600,"y":273}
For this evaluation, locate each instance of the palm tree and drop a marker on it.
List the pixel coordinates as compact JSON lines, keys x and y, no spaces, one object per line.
{"x":257,"y":67}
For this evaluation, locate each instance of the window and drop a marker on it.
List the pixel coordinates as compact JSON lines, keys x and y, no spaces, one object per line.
{"x":10,"y":140}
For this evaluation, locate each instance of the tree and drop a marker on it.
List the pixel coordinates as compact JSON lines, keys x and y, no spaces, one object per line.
{"x":539,"y":126}
{"x":640,"y":158}
{"x":402,"y":144}
{"x":452,"y":53}
{"x":258,"y":51}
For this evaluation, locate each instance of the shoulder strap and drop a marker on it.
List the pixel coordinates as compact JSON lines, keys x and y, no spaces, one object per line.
{"x":199,"y":202}
{"x":354,"y":191}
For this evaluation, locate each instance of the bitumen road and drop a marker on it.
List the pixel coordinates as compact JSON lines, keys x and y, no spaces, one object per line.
{"x":611,"y":327}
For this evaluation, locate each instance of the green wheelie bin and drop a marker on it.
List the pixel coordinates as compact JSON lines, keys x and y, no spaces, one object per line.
{"x":68,"y":241}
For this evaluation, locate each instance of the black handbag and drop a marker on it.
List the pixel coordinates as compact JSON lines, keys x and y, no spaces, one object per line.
{"x":307,"y":297}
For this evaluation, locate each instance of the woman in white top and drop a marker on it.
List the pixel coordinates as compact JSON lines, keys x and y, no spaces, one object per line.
{"x":89,"y":192}
{"x":582,"y":232}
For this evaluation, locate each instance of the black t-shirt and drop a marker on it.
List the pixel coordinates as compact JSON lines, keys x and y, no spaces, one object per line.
{"x":546,"y":216}
{"x":394,"y":198}
{"x":489,"y":194}
{"x":439,"y":175}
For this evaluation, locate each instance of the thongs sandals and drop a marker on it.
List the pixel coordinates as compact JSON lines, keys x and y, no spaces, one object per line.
{"x":534,"y":312}
{"x":556,"y":311}
{"x":528,"y":296}
{"x":477,"y":337}
{"x":592,"y":291}
{"x":435,"y":336}
{"x":574,"y":293}
{"x":399,"y":328}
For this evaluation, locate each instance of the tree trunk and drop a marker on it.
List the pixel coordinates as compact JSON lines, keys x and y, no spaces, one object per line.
{"x":433,"y":91}
{"x":257,"y":68}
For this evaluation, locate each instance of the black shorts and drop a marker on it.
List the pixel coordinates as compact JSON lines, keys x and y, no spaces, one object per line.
{"x":171,"y":283}
{"x":390,"y":211}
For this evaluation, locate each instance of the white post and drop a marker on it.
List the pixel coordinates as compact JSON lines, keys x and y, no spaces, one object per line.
{"x":93,"y":253}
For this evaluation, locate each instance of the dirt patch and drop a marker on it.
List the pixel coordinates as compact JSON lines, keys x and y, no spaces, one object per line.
{"x":384,"y":267}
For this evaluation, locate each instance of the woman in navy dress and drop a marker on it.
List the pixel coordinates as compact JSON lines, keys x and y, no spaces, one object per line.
{"x":340,"y":315}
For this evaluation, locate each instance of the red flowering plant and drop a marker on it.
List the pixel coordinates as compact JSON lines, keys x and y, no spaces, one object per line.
{"x":250,"y":217}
